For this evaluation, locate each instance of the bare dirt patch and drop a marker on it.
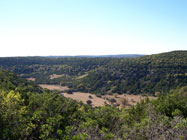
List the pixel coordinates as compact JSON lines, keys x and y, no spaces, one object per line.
{"x":54,"y":87}
{"x":31,"y":79}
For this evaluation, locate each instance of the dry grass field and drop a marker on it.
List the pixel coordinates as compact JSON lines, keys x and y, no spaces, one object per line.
{"x":54,"y":76}
{"x":54,"y":87}
{"x":31,"y":79}
{"x":82,"y":76}
{"x":84,"y":97}
{"x":120,"y":101}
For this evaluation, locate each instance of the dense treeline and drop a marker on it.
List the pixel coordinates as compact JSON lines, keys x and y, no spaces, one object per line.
{"x":146,"y":74}
{"x":50,"y":116}
{"x":9,"y":81}
{"x":42,"y":67}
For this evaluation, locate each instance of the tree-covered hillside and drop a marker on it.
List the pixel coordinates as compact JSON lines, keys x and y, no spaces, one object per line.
{"x":9,"y":81}
{"x":142,"y":75}
{"x":50,"y":116}
{"x":148,"y":74}
{"x":41,"y":67}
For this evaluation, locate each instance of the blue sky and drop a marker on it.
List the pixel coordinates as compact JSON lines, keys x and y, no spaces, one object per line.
{"x":92,"y":27}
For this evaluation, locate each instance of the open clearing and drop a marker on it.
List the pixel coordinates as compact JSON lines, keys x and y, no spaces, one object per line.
{"x":54,"y":87}
{"x":115,"y":99}
{"x":84,"y":97}
{"x":106,"y":99}
{"x":31,"y":79}
{"x":54,"y":76}
{"x":82,"y":76}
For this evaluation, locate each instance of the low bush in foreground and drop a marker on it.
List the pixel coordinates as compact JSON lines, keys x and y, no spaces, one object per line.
{"x":50,"y":116}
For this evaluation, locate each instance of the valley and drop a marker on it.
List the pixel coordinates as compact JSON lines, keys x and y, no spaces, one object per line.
{"x":102,"y":98}
{"x":140,"y":75}
{"x":93,"y":70}
{"x":118,"y":100}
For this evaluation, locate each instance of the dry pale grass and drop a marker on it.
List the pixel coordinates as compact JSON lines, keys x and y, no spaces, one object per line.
{"x":130,"y":99}
{"x":54,"y":76}
{"x":54,"y":87}
{"x":31,"y":79}
{"x":96,"y":101}
{"x":82,"y":76}
{"x":84,"y":97}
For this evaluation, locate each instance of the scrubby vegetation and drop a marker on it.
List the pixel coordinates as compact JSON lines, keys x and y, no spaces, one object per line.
{"x":9,"y":81}
{"x":45,"y":115}
{"x":148,"y":74}
{"x":143,"y":75}
{"x":28,"y":112}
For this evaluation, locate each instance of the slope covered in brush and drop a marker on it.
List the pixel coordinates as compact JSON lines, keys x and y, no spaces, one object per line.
{"x":47,"y":116}
{"x":9,"y":81}
{"x":148,"y":74}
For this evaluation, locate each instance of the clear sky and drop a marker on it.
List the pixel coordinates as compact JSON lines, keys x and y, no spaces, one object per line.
{"x":92,"y":27}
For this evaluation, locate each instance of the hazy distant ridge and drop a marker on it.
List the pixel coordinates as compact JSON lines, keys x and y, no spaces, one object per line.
{"x":94,"y":56}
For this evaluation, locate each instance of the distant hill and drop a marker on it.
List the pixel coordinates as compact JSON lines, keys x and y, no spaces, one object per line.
{"x":105,"y":56}
{"x":147,"y":74}
{"x":106,"y":75}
